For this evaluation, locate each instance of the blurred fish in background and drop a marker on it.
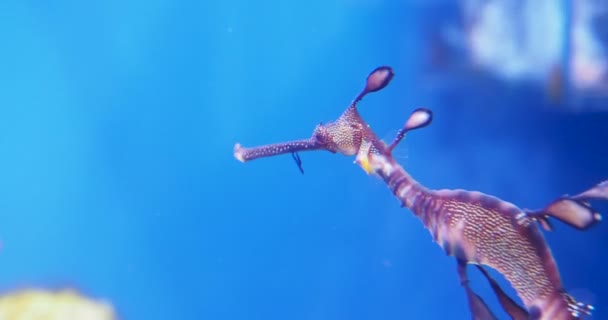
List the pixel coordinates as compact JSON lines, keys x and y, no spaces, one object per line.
{"x":559,"y":47}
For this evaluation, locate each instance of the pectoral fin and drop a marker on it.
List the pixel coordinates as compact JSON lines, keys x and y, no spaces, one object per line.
{"x":571,"y":211}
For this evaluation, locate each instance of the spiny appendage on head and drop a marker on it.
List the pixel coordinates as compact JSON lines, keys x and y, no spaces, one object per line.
{"x":374,"y":156}
{"x":482,"y":229}
{"x":377,"y":80}
{"x":419,"y":118}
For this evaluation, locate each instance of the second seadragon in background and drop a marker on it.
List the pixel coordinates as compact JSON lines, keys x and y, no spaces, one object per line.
{"x":473,"y":227}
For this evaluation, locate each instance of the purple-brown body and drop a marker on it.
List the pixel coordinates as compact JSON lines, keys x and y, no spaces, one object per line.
{"x":473,"y":227}
{"x":480,"y":229}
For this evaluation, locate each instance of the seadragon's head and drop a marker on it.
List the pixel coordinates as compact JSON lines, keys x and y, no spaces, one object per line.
{"x":349,"y":134}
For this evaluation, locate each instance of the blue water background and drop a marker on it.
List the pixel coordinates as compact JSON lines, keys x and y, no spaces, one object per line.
{"x":117,"y":123}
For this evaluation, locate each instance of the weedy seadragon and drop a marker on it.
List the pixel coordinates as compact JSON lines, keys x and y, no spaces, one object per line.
{"x":473,"y":227}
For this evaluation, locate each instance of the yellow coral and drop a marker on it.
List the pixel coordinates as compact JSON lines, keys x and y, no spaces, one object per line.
{"x":34,"y":304}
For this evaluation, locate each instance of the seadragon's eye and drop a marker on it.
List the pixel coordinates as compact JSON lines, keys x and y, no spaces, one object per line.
{"x":320,"y":138}
{"x":320,"y":134}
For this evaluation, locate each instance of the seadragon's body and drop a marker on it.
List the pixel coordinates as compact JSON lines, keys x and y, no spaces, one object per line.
{"x":473,"y":227}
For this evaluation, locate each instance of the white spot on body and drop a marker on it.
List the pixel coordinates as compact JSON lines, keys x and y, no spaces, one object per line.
{"x":520,"y":216}
{"x":404,"y":190}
